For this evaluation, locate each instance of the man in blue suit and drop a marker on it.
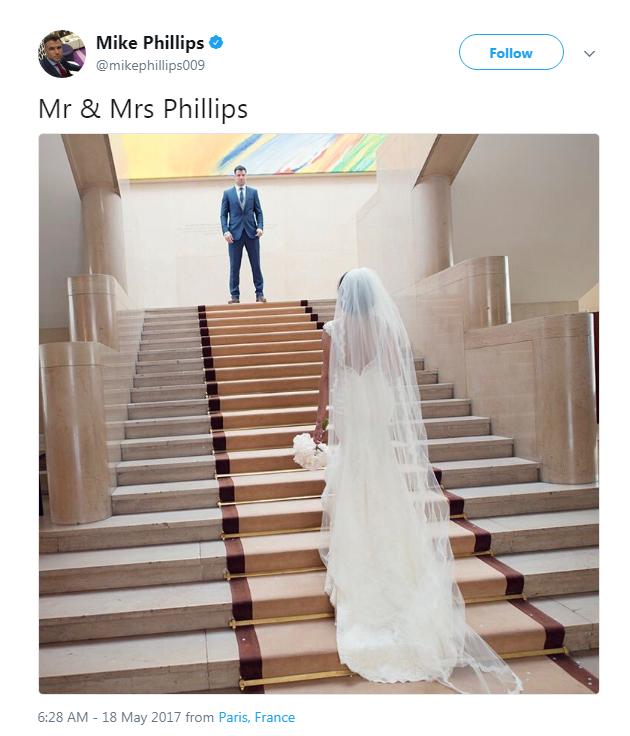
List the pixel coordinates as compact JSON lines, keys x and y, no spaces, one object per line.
{"x":242,"y":225}
{"x":53,"y":62}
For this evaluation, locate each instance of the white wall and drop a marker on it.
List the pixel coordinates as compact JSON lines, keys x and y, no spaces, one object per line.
{"x":176,"y":254}
{"x":59,"y":232}
{"x":533,"y":198}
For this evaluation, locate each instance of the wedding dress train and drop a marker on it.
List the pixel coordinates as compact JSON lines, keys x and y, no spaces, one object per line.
{"x":399,"y":614}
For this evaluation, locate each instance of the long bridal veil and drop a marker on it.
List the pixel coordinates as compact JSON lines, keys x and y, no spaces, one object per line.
{"x":385,"y":531}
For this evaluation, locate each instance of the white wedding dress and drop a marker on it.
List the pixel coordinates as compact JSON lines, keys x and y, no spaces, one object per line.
{"x":399,"y":615}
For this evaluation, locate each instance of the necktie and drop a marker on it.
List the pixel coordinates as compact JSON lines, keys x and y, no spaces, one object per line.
{"x":61,"y":70}
{"x":241,"y":197}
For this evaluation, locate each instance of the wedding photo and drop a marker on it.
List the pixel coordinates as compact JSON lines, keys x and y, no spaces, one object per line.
{"x":319,"y":413}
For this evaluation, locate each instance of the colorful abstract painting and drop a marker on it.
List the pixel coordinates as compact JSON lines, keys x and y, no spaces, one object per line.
{"x":191,"y":156}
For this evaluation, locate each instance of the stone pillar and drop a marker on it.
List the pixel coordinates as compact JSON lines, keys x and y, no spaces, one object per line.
{"x":101,"y":210}
{"x":566,"y":404}
{"x":92,"y":309}
{"x":433,"y":225}
{"x":74,"y":425}
{"x":487,"y":292}
{"x":535,"y":378}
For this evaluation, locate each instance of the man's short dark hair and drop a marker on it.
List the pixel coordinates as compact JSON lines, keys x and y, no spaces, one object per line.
{"x":51,"y":37}
{"x":240,"y":168}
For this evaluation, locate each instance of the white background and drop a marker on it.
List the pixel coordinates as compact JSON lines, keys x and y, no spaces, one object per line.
{"x":315,"y":67}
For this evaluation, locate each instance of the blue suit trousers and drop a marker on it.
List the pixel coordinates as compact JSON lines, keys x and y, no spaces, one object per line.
{"x":252,"y":246}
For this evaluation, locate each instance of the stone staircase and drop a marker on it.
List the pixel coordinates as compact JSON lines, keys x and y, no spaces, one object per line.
{"x":207,"y":577}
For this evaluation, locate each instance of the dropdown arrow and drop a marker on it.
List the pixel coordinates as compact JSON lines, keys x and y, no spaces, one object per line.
{"x":589,"y":54}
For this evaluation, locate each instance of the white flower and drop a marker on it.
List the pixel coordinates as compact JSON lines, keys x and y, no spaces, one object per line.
{"x":308,"y":454}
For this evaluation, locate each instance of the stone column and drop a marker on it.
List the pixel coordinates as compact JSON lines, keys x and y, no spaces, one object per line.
{"x":92,"y":309}
{"x":101,"y":211}
{"x":432,"y":225}
{"x":74,"y":425}
{"x":487,"y":286}
{"x":566,"y":404}
{"x":535,"y":378}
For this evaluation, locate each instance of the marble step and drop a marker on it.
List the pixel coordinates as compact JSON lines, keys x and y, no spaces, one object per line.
{"x":186,"y":445}
{"x":231,"y":335}
{"x":300,"y":353}
{"x":242,"y":324}
{"x":521,"y":498}
{"x":458,"y":474}
{"x":172,"y":331}
{"x":309,"y":366}
{"x":483,"y":500}
{"x":524,"y":533}
{"x":500,"y":500}
{"x":151,"y":322}
{"x":173,"y":496}
{"x":277,"y":513}
{"x":278,"y":331}
{"x":194,"y":309}
{"x":177,"y":320}
{"x":92,"y":557}
{"x":588,"y":661}
{"x":166,"y":312}
{"x":244,"y":488}
{"x":236,"y":440}
{"x":169,"y":426}
{"x":157,"y":609}
{"x":248,"y":373}
{"x":177,"y":343}
{"x":195,"y":420}
{"x":227,"y":387}
{"x":269,"y":385}
{"x":277,"y":370}
{"x":178,"y":378}
{"x":439,"y":450}
{"x":199,"y":406}
{"x":303,"y":514}
{"x":303,"y":342}
{"x":209,"y":659}
{"x":253,"y":305}
{"x":288,"y":351}
{"x":242,"y":321}
{"x":261,"y":405}
{"x":131,"y":530}
{"x":165,"y":470}
{"x":254,"y":399}
{"x":459,"y":438}
{"x":151,"y":325}
{"x":151,"y":448}
{"x":133,"y":566}
{"x":227,"y":319}
{"x":578,"y":528}
{"x":442,"y":407}
{"x":556,"y":572}
{"x":543,"y":675}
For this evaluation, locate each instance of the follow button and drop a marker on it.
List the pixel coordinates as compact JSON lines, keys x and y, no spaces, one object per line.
{"x":511,"y":51}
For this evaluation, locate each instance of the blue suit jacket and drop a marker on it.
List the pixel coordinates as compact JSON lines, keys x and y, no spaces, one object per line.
{"x":69,"y":66}
{"x":235,"y":219}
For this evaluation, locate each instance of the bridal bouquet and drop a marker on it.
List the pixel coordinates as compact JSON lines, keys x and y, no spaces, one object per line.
{"x":308,"y":454}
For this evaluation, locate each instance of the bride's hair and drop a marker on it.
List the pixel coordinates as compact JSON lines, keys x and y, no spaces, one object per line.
{"x":357,"y":292}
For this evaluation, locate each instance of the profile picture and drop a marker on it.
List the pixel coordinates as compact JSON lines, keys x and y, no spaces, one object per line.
{"x":61,"y":53}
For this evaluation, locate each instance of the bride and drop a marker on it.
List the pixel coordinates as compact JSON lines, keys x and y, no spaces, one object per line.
{"x":399,"y":614}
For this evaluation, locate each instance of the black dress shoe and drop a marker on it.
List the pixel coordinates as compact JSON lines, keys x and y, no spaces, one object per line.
{"x":234,"y":301}
{"x":260,"y":298}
